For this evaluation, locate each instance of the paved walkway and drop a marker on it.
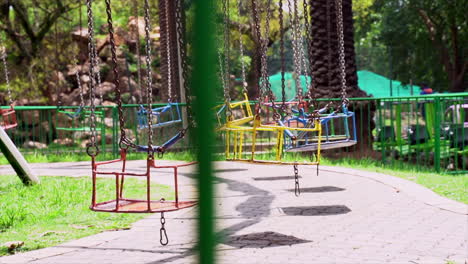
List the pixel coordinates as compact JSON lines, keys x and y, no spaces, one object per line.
{"x":342,"y":216}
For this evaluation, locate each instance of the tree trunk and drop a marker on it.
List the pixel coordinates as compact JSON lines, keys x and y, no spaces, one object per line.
{"x":324,"y":58}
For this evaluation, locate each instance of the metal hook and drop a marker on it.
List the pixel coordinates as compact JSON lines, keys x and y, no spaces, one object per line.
{"x":163,"y":238}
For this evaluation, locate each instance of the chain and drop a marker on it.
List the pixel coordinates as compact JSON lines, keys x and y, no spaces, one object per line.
{"x":98,"y":74}
{"x":56,"y":55}
{"x":223,"y":62}
{"x":180,"y":25}
{"x":295,"y":45}
{"x":80,"y":87}
{"x":265,"y":85}
{"x":241,"y":47}
{"x":227,"y":97}
{"x":283,"y":58}
{"x":7,"y":74}
{"x":92,"y":149}
{"x":339,"y":17}
{"x":297,"y":189}
{"x":137,"y":36}
{"x":163,"y":238}
{"x":311,"y":95}
{"x":168,"y":53}
{"x":149,"y":78}
{"x":77,"y":73}
{"x":256,"y":25}
{"x":124,"y":142}
{"x":306,"y":63}
{"x":226,"y":45}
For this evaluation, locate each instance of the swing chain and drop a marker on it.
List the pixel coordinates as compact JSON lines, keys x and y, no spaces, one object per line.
{"x":296,"y":49}
{"x":124,"y":142}
{"x":297,"y":189}
{"x":180,"y":27}
{"x":163,"y":238}
{"x":241,"y":46}
{"x":168,"y":53}
{"x":311,"y":95}
{"x":80,"y":87}
{"x":283,"y":66}
{"x":149,"y":79}
{"x":265,"y":85}
{"x":223,"y":63}
{"x":226,"y":42}
{"x":7,"y":74}
{"x":92,"y":149}
{"x":137,"y":37}
{"x":340,"y":29}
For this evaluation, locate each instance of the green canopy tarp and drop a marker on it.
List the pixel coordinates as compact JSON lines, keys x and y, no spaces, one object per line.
{"x":373,"y":84}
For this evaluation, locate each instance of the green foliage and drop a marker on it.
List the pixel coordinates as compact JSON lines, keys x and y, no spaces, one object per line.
{"x":412,"y":53}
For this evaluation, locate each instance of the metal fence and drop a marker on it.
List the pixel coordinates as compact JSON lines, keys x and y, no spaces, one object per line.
{"x":429,"y":131}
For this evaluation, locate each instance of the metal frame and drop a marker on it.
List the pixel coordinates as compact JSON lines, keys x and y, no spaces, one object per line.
{"x":171,"y":109}
{"x":8,"y":118}
{"x":125,"y":205}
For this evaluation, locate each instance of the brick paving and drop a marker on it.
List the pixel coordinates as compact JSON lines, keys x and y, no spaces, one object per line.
{"x":341,"y":216}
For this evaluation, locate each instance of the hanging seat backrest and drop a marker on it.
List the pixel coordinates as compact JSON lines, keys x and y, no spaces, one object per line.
{"x":245,"y":108}
{"x":8,"y":118}
{"x":72,"y":114}
{"x":162,"y":116}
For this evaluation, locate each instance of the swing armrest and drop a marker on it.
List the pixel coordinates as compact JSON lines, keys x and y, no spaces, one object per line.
{"x":160,"y":110}
{"x":328,"y":118}
{"x":286,"y":131}
{"x":142,"y":148}
{"x":173,"y":140}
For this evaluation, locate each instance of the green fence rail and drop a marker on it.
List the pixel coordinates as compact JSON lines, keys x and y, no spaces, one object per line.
{"x":429,"y":132}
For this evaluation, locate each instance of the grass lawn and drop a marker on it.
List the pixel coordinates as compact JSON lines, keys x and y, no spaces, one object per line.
{"x":57,"y":210}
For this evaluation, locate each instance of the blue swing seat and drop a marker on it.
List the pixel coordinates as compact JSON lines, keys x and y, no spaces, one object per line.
{"x":329,"y":139}
{"x":162,"y":116}
{"x":161,"y":149}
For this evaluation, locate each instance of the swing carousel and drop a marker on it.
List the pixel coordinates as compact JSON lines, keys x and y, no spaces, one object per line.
{"x":304,"y":127}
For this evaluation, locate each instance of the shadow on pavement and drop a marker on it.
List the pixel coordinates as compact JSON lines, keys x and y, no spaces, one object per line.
{"x":263,"y":240}
{"x":316,"y":210}
{"x":278,"y":178}
{"x":319,"y":189}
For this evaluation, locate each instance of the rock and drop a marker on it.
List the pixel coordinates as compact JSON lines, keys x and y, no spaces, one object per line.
{"x":85,"y":78}
{"x":64,"y":141}
{"x":134,"y":24}
{"x":81,"y":134}
{"x":109,"y":103}
{"x":57,"y":76}
{"x":34,"y":145}
{"x":128,"y":84}
{"x":13,"y":245}
{"x":108,"y":139}
{"x":85,"y":143}
{"x":106,"y":87}
{"x":108,"y":121}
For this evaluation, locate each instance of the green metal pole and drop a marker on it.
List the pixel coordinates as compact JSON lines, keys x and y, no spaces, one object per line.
{"x":203,"y":87}
{"x":437,"y":119}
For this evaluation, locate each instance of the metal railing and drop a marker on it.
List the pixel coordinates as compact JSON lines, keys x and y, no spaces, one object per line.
{"x":429,"y":131}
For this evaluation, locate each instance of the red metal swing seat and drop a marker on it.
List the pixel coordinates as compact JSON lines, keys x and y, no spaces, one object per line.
{"x":125,"y":205}
{"x":8,"y":118}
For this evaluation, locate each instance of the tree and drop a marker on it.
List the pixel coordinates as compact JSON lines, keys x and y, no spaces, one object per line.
{"x":427,"y":40}
{"x":27,"y":23}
